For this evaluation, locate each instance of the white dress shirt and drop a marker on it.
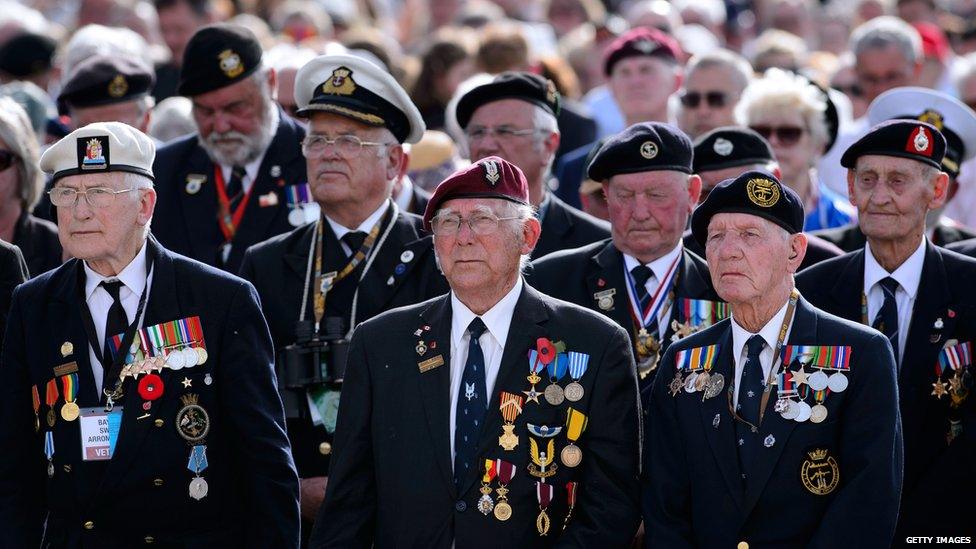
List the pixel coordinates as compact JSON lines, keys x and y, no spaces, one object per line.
{"x":908,"y":275}
{"x":134,"y":280}
{"x":365,"y":227}
{"x":770,"y":334}
{"x":492,"y":342}
{"x":659,"y":268}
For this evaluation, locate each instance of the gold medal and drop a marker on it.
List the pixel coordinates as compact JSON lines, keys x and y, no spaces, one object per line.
{"x":70,"y":411}
{"x":503,"y":511}
{"x":201,"y":355}
{"x":508,"y":440}
{"x":701,"y":382}
{"x":571,"y":456}
{"x":542,"y":522}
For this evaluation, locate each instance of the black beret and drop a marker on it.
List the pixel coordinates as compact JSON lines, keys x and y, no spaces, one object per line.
{"x":27,"y":54}
{"x":217,"y":56}
{"x":730,"y":147}
{"x":910,"y":139}
{"x":755,"y":193}
{"x":509,"y":85}
{"x":644,"y":147}
{"x":104,"y":80}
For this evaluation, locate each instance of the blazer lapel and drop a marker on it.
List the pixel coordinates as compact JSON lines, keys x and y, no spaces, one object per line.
{"x":435,"y":382}
{"x":66,"y":305}
{"x":403,"y":247}
{"x":605,"y":274}
{"x":200,"y":205}
{"x":848,"y":291}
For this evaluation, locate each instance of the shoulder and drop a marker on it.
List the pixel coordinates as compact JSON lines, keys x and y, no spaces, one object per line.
{"x":965,"y":247}
{"x":579,"y":217}
{"x":401,"y":320}
{"x":829,"y":269}
{"x":577,"y":318}
{"x":278,"y":244}
{"x":174,"y":149}
{"x":573,"y":256}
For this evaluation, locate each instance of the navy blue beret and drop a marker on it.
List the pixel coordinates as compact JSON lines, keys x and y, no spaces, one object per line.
{"x":643,"y":147}
{"x":756,"y":193}
{"x":910,"y":139}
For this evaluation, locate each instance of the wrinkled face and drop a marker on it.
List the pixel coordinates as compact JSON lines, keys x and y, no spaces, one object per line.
{"x":641,"y":86}
{"x":710,"y":95}
{"x":892,"y":195}
{"x":881,"y":69}
{"x":749,"y":256}
{"x":793,"y":145}
{"x":649,"y":211}
{"x":531,"y":150}
{"x":100,"y":233}
{"x":473,"y":262}
{"x":233,"y":122}
{"x":129,"y":112}
{"x":337,"y":177}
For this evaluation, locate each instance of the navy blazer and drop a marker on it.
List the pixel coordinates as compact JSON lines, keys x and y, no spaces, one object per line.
{"x":141,"y":493}
{"x":693,"y":494}
{"x":564,"y":227}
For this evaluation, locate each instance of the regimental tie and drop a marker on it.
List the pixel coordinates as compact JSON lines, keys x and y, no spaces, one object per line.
{"x":471,"y":404}
{"x":354,"y":239}
{"x":641,"y":274}
{"x":750,"y":396}
{"x":115,"y":323}
{"x":887,"y":320}
{"x":235,"y":187}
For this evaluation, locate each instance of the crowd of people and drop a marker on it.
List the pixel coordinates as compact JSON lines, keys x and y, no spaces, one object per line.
{"x":487,"y":273}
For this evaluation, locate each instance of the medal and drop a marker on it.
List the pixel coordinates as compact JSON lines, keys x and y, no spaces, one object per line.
{"x":701,"y":382}
{"x":511,"y":407}
{"x":604,"y":299}
{"x":198,"y":488}
{"x":570,"y":500}
{"x":202,"y":355}
{"x":571,"y":456}
{"x":175,"y":360}
{"x":535,"y":366}
{"x":297,"y":197}
{"x":576,"y":421}
{"x":818,"y":413}
{"x":676,"y":383}
{"x":51,"y":398}
{"x":542,"y":465}
{"x":66,"y":349}
{"x":485,"y":503}
{"x":837,"y":382}
{"x":648,"y":353}
{"x":192,"y":421}
{"x":296,"y":217}
{"x":690,"y":382}
{"x":49,"y":452}
{"x":194,"y":182}
{"x":36,"y":401}
{"x":818,"y":381}
{"x":197,"y":463}
{"x":506,"y":472}
{"x":803,"y":412}
{"x":716,"y":382}
{"x":543,"y":493}
{"x":647,"y":344}
{"x":578,"y":363}
{"x":792,"y":410}
{"x":556,"y":369}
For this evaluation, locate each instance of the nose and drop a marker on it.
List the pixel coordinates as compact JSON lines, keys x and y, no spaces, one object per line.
{"x":81,"y":209}
{"x":221,"y":122}
{"x":465,"y":234}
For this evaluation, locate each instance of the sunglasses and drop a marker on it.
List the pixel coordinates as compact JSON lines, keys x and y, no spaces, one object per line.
{"x":6,"y":159}
{"x":852,"y":90}
{"x":786,"y":135}
{"x":715,"y":99}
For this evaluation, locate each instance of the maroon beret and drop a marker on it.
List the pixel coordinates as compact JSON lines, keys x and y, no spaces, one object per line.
{"x":490,"y":177}
{"x":641,"y":41}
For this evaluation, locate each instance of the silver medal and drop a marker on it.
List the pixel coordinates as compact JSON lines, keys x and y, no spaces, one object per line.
{"x":554,"y":394}
{"x":792,"y":410}
{"x":296,"y":217}
{"x":837,"y":382}
{"x":311,"y":212}
{"x":198,"y":488}
{"x":190,"y":357}
{"x":690,"y":382}
{"x":175,"y":360}
{"x":715,"y":385}
{"x":804,"y":413}
{"x":818,"y":381}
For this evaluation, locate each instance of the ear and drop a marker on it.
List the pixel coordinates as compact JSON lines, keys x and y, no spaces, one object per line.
{"x":273,"y":83}
{"x":798,"y":250}
{"x":778,"y":172}
{"x":694,"y":191}
{"x":147,"y":205}
{"x":530,"y":233}
{"x":941,"y":187}
{"x":551,"y":142}
{"x":395,"y":162}
{"x":850,"y":187}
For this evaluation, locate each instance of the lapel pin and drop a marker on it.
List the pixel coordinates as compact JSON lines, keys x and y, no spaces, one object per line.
{"x":421,"y":348}
{"x":390,"y":281}
{"x":418,"y":332}
{"x":770,"y":440}
{"x":270,"y":199}
{"x":938,"y":324}
{"x":194,"y":182}
{"x":400,"y":269}
{"x":66,"y":349}
{"x":275,"y":171}
{"x":934,"y":338}
{"x":601,"y":283}
{"x":433,"y":344}
{"x":406,"y":256}
{"x":952,"y":314}
{"x":715,"y":422}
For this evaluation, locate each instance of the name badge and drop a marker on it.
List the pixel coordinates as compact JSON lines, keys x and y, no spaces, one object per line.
{"x":99,"y":433}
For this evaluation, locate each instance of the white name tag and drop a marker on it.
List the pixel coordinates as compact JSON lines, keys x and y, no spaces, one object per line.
{"x":99,"y":433}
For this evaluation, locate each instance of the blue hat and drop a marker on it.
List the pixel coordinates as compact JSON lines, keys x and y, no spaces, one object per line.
{"x":644,"y":147}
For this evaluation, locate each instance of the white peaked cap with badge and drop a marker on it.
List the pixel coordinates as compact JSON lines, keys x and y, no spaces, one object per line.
{"x":98,"y":148}
{"x":357,"y":89}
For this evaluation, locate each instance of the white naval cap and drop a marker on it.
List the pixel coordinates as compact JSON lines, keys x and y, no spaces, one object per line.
{"x":357,"y":89}
{"x":954,"y":119}
{"x":101,"y":147}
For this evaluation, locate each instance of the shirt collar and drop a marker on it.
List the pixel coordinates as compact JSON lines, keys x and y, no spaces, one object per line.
{"x":365,"y":227}
{"x":659,"y":266}
{"x":405,"y":195}
{"x":769,"y":332}
{"x":133,"y":276}
{"x":498,"y":319}
{"x":908,"y":274}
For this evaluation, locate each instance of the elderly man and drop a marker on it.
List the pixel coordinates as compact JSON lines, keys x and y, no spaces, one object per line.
{"x":108,"y":89}
{"x":643,"y":69}
{"x":921,"y":297}
{"x":236,"y":182}
{"x":449,"y":431}
{"x":641,"y":277}
{"x":725,"y":153}
{"x":782,"y":406}
{"x":364,"y":256}
{"x":514,"y":117}
{"x":713,"y":84}
{"x":127,"y":369}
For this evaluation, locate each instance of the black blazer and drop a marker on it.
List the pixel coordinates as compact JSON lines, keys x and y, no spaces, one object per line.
{"x":850,"y":238}
{"x":579,"y":275}
{"x":187,"y":223}
{"x":818,"y":249}
{"x":945,"y":309}
{"x":277,"y":269}
{"x":964,"y":247}
{"x":693,"y":494}
{"x":565,"y":227}
{"x":253,"y":487}
{"x":391,"y":482}
{"x":38,"y":241}
{"x":13,"y":271}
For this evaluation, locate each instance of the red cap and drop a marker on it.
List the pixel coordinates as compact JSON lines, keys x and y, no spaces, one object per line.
{"x":490,"y":177}
{"x":641,"y":41}
{"x":934,"y":41}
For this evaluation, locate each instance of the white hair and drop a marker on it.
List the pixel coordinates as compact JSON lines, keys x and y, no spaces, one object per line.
{"x":884,"y":31}
{"x":739,"y":67}
{"x":92,"y":40}
{"x":777,"y":90}
{"x":504,"y":208}
{"x":254,"y":145}
{"x":172,"y":118}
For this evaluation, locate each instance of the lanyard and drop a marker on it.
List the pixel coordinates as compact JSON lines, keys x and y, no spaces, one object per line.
{"x":229,"y":221}
{"x":114,"y":367}
{"x":774,"y":370}
{"x":643,"y":318}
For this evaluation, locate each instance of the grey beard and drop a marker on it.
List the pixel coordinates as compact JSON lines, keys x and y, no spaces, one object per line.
{"x":251,"y":147}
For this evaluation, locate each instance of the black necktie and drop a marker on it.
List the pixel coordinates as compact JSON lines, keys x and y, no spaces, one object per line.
{"x":354,"y":239}
{"x":471,"y":404}
{"x":887,"y":320}
{"x":750,"y":398}
{"x":116,"y":322}
{"x":641,"y":274}
{"x":235,"y":187}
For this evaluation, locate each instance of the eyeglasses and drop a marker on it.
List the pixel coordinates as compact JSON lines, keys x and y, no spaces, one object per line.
{"x":715,"y":99}
{"x":96,"y":197}
{"x":476,"y":133}
{"x":851,"y":90}
{"x":786,"y":135}
{"x":6,"y":159}
{"x":480,"y":224}
{"x":348,"y":145}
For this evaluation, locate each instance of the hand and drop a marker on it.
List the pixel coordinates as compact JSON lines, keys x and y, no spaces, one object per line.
{"x":313,"y":492}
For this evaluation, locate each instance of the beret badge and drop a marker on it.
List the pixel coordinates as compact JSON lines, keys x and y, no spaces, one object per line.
{"x":763,"y":192}
{"x":932,"y":117}
{"x":491,"y":172}
{"x":921,"y":141}
{"x":230,"y":63}
{"x":118,"y":86}
{"x":722,"y":146}
{"x":648,"y":149}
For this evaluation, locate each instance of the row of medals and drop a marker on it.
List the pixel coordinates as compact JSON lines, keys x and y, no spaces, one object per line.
{"x":800,"y":411}
{"x":176,"y":359}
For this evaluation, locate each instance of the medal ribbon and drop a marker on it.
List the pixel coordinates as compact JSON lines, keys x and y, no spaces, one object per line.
{"x":696,"y":358}
{"x":51,"y":396}
{"x":786,"y":383}
{"x":703,"y":312}
{"x":557,"y":368}
{"x":657,"y":301}
{"x":827,"y":357}
{"x":69,"y":385}
{"x":578,"y":363}
{"x":229,"y":221}
{"x":955,"y":357}
{"x":490,"y":472}
{"x":297,"y":195}
{"x":821,"y":395}
{"x":571,"y":493}
{"x":49,"y":445}
{"x":505,"y":470}
{"x":196,"y":331}
{"x":511,"y":406}
{"x":36,"y":398}
{"x":198,"y":459}
{"x":535,"y":362}
{"x":543,"y":493}
{"x":575,"y":424}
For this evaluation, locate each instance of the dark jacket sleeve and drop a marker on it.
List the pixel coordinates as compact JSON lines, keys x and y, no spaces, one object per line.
{"x":347,"y":516}
{"x":258,"y":419}
{"x":13,"y":271}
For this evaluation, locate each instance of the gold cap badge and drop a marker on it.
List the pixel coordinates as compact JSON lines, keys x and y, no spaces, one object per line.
{"x":763,"y":192}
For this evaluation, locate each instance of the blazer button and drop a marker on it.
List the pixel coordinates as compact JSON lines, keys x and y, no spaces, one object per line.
{"x":325,"y":448}
{"x":158,"y":482}
{"x":742,"y":545}
{"x":149,"y":539}
{"x":89,"y":525}
{"x":460,"y":506}
{"x":158,"y":423}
